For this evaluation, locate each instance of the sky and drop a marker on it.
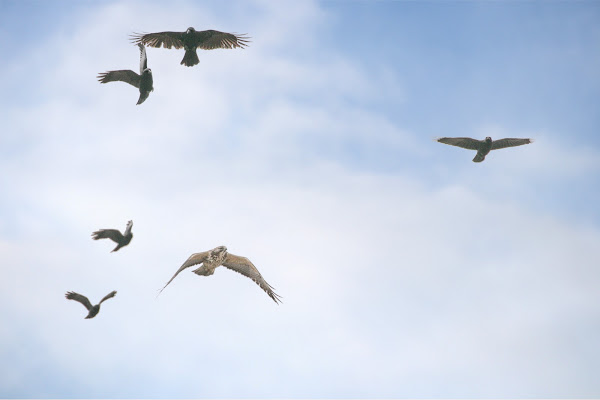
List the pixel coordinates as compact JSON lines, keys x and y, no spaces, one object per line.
{"x":405,"y":269}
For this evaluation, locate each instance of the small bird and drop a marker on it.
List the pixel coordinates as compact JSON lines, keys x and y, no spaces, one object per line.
{"x":218,"y":256}
{"x":143,"y":81}
{"x":93,"y":310}
{"x":190,"y":40}
{"x":116,"y":236}
{"x":483,"y":147}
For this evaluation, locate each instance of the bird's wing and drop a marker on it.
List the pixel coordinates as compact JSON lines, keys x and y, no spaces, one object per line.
{"x":464,"y":142}
{"x":80,"y":298}
{"x":143,"y":58}
{"x":196,"y":258}
{"x":208,"y":40}
{"x":246,"y":268}
{"x":509,"y":142}
{"x":158,"y":39}
{"x":111,"y":234}
{"x":124,"y":75}
{"x":108,"y":296}
{"x":128,"y":228}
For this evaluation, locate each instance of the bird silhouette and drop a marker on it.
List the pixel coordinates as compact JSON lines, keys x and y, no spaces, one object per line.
{"x":218,"y":256}
{"x":190,"y":40}
{"x":115,"y":236}
{"x":483,"y":147}
{"x":93,"y":310}
{"x":143,"y":81}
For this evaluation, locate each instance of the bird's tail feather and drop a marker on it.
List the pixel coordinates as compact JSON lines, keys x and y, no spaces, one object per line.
{"x":190,"y":58}
{"x":479,"y":158}
{"x":143,"y":97}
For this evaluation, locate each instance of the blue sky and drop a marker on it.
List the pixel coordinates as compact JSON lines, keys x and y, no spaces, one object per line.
{"x":406,"y":270}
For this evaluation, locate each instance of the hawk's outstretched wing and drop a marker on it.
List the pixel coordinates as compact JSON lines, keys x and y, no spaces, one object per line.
{"x":509,"y":142}
{"x":245,"y":267}
{"x":80,"y":298}
{"x":211,"y":39}
{"x":464,"y":142}
{"x":124,"y":75}
{"x":108,"y":296}
{"x":111,"y":234}
{"x":158,"y":39}
{"x":194,"y":259}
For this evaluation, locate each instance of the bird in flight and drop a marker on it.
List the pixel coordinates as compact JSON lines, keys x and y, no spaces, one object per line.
{"x":483,"y":147}
{"x":93,"y":310}
{"x":115,"y":236}
{"x":219,"y":256}
{"x":190,"y":40}
{"x":143,"y":81}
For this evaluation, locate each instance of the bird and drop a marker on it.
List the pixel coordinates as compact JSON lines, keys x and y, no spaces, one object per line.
{"x":190,"y":40}
{"x":218,"y":256}
{"x":115,"y":235}
{"x":93,"y":310}
{"x":143,"y":81}
{"x":483,"y":147}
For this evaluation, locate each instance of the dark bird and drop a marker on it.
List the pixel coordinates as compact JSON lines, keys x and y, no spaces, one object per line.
{"x":190,"y":40}
{"x":483,"y":147}
{"x":115,"y":235}
{"x":93,"y":310}
{"x":218,"y":256}
{"x":143,"y":81}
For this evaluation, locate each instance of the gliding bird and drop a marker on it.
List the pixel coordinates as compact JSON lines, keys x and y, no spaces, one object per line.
{"x":190,"y":40}
{"x":93,"y":310}
{"x":218,"y":256}
{"x":483,"y":147}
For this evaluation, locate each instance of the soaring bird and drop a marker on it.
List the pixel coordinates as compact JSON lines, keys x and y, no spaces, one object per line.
{"x":93,"y":310}
{"x":219,"y":256}
{"x":190,"y":40}
{"x":115,"y":235}
{"x":483,"y":147}
{"x":143,"y":81}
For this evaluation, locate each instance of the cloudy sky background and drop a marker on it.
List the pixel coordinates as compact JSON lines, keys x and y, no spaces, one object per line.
{"x":406,"y":270}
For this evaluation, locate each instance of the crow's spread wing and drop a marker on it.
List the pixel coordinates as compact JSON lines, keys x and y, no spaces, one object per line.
{"x":509,"y":142}
{"x":464,"y":142}
{"x":108,"y":296}
{"x":158,"y":39}
{"x":123,"y":75}
{"x":245,"y":267}
{"x":80,"y":298}
{"x":143,"y":58}
{"x":111,"y":234}
{"x":208,"y":40}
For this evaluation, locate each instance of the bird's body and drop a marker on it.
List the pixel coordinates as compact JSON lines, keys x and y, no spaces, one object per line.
{"x":92,"y":310}
{"x":483,"y":147}
{"x":115,"y":235}
{"x":190,"y":40}
{"x":144,"y":81}
{"x":218,"y":256}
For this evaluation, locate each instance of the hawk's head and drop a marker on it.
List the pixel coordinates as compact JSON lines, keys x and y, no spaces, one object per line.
{"x":190,"y":30}
{"x":217,"y":254}
{"x":488,"y":139}
{"x":220,"y":249}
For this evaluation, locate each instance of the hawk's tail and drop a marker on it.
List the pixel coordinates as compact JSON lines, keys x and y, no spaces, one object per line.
{"x":190,"y":58}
